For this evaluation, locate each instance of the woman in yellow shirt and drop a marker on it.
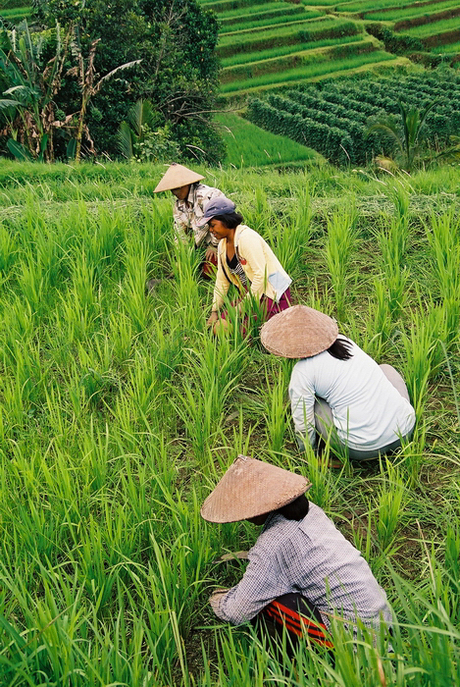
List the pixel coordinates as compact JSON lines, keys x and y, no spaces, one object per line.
{"x":245,"y":260}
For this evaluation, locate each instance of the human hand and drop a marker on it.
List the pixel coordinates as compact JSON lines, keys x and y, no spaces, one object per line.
{"x":215,"y":598}
{"x":210,"y":253}
{"x":212,"y":319}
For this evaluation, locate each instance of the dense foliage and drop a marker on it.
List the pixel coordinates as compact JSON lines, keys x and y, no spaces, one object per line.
{"x":175,"y":41}
{"x":334,"y":118}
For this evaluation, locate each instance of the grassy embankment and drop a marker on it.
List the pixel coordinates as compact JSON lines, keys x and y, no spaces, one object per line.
{"x":15,"y":14}
{"x":119,"y":413}
{"x":250,"y":146}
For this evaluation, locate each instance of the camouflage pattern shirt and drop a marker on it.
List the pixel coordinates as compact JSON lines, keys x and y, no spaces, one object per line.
{"x":188,"y":212}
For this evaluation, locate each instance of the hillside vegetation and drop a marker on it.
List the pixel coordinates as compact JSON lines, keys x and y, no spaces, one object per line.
{"x":279,"y":42}
{"x":119,"y":412}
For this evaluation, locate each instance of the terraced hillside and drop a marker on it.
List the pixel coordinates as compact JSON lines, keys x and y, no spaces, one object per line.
{"x":269,"y":45}
{"x":14,"y":11}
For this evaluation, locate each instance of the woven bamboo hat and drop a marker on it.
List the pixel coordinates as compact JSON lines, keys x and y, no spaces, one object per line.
{"x":299,"y":332}
{"x":177,"y":176}
{"x":250,"y":488}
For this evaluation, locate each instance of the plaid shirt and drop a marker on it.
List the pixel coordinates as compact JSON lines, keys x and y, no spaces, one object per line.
{"x":187,"y":212}
{"x":312,"y":558}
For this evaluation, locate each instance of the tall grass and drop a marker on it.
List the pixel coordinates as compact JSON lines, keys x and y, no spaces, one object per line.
{"x":340,"y":245}
{"x":119,"y":412}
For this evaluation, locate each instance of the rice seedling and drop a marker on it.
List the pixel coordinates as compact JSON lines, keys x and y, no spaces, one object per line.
{"x":313,"y":69}
{"x":118,"y":414}
{"x":391,"y":501}
{"x":444,"y":240}
{"x":409,"y":12}
{"x":280,"y":51}
{"x":436,"y":28}
{"x":250,"y":146}
{"x":341,"y":242}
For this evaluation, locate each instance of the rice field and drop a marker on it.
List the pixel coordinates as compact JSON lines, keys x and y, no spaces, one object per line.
{"x":120,"y":412}
{"x":250,"y":146}
{"x":252,"y":32}
{"x":15,"y":14}
{"x":434,"y":29}
{"x":411,"y":12}
{"x":314,"y":68}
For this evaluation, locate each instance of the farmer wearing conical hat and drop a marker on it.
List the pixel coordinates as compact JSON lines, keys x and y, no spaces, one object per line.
{"x":192,"y":198}
{"x":302,"y":571}
{"x":337,"y":391}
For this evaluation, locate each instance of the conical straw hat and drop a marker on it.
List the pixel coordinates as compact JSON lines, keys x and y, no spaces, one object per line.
{"x":177,"y":176}
{"x":299,"y":332}
{"x":250,"y":488}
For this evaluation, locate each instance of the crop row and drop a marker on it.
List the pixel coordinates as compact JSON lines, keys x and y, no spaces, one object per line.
{"x":262,"y":15}
{"x":362,"y":6}
{"x":256,"y":25}
{"x":280,"y":51}
{"x":349,"y":109}
{"x":252,"y":10}
{"x":446,"y":26}
{"x":412,"y":13}
{"x":434,"y":19}
{"x":301,"y":33}
{"x":293,"y":61}
{"x":314,"y":69}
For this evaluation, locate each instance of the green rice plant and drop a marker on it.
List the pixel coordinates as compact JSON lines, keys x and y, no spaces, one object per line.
{"x":315,"y":68}
{"x":276,"y":415}
{"x":8,"y":251}
{"x":136,"y":305}
{"x":248,"y":145}
{"x":280,"y":51}
{"x":409,"y":12}
{"x":202,"y":405}
{"x":341,"y":242}
{"x":422,"y":354}
{"x":185,"y":264}
{"x":391,"y":502}
{"x":379,"y":324}
{"x":434,"y":29}
{"x":324,"y":487}
{"x":290,"y":237}
{"x":444,"y":241}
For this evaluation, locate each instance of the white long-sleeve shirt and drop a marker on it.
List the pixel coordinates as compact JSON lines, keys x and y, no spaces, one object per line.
{"x":368,"y":411}
{"x":309,"y":557}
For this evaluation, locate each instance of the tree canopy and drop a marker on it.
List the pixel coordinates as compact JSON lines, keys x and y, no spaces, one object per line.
{"x":175,"y":39}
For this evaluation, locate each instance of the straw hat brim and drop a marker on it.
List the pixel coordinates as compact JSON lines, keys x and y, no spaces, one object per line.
{"x":177,"y":176}
{"x":250,"y":488}
{"x":299,"y":332}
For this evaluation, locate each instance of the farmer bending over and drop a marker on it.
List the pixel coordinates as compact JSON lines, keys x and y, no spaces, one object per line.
{"x":302,"y":571}
{"x":337,"y":391}
{"x":192,"y":199}
{"x":246,"y":261}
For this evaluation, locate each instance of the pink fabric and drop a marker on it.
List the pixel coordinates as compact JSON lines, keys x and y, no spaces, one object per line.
{"x":270,"y":306}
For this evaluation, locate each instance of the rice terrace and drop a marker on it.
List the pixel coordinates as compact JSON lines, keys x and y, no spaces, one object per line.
{"x":128,"y":389}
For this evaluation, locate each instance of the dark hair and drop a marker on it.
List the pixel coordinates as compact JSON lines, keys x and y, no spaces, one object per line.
{"x":340,"y":349}
{"x":296,"y":510}
{"x":230,"y":219}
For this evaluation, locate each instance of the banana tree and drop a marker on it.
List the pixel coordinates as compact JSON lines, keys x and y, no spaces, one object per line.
{"x":406,"y":133}
{"x":131,"y":133}
{"x":30,"y":106}
{"x":89,"y":84}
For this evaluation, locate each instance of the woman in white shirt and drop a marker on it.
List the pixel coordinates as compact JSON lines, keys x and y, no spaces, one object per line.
{"x":337,"y":391}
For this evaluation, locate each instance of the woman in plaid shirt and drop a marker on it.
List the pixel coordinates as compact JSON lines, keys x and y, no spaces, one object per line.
{"x":302,"y":572}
